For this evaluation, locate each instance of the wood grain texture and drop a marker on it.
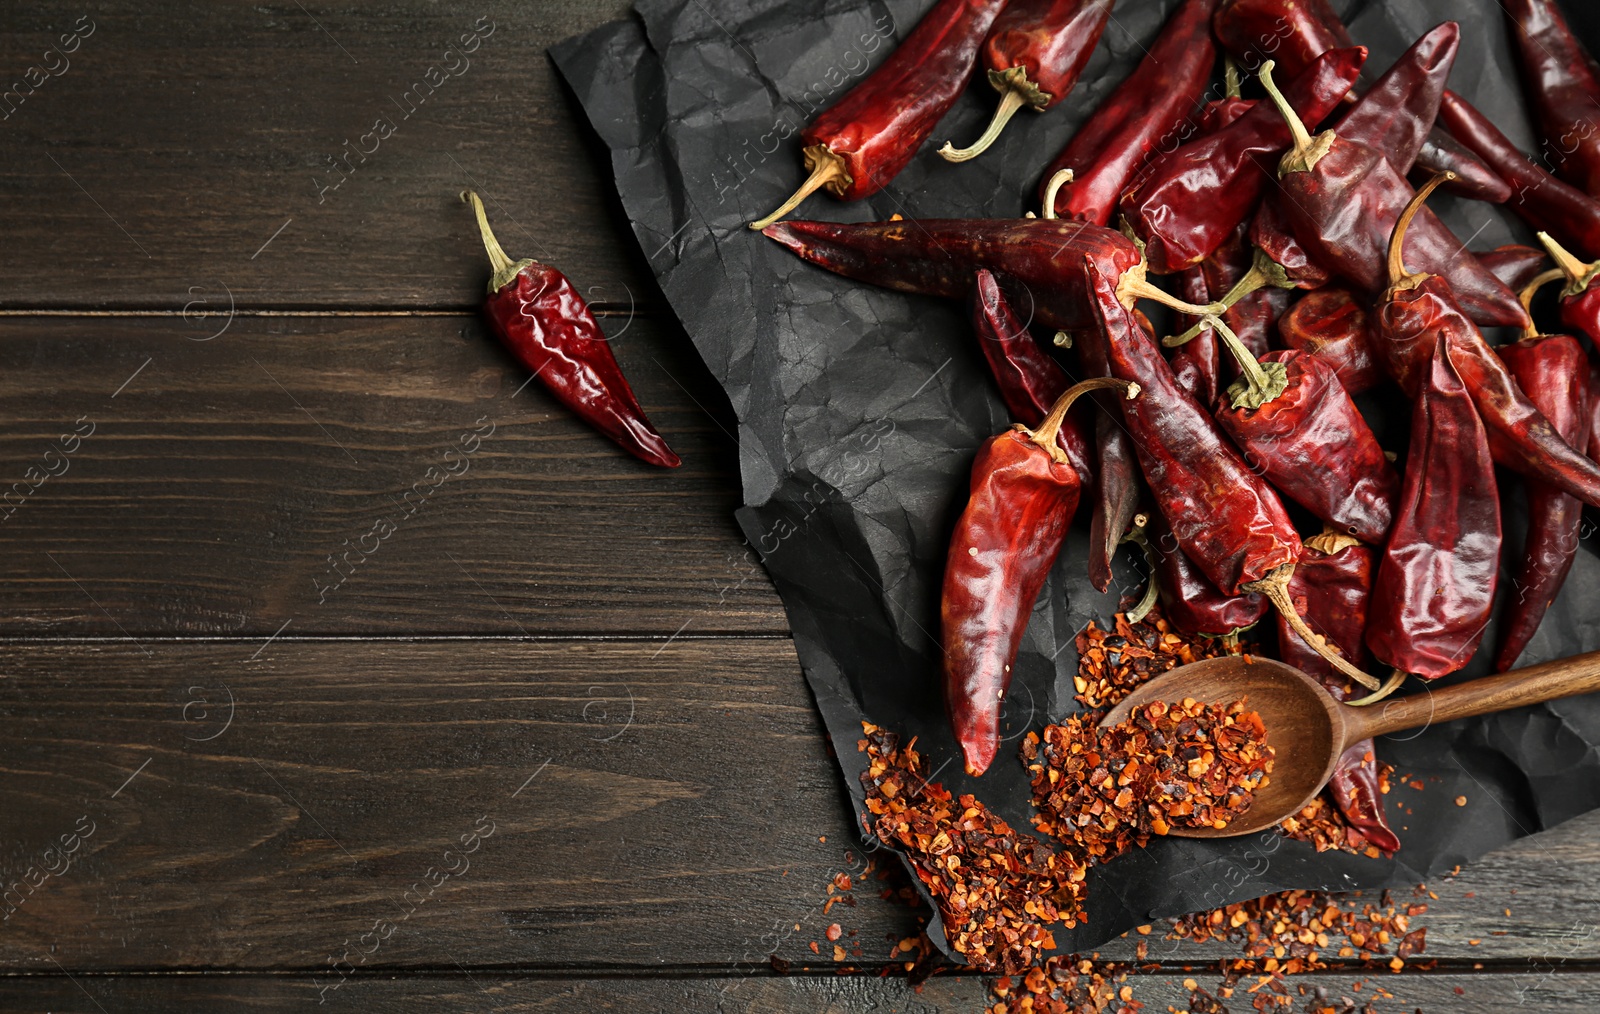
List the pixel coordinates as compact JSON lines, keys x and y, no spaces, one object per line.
{"x":1531,"y":989}
{"x":221,"y":475}
{"x":166,"y":150}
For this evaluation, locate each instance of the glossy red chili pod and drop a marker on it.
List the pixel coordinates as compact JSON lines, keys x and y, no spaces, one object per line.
{"x":1514,"y":264}
{"x":541,"y":319}
{"x":857,"y":146}
{"x":1563,"y":85}
{"x":1034,"y":53}
{"x":1395,"y":115}
{"x":1333,"y":325}
{"x":1147,"y":114}
{"x":1024,"y":493}
{"x":1190,"y":602}
{"x":1435,"y":585}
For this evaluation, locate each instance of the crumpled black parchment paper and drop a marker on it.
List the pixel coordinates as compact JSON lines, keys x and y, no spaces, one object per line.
{"x":860,"y":409}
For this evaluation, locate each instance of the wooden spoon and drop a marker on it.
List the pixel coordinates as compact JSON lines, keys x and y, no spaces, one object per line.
{"x":1308,"y":729}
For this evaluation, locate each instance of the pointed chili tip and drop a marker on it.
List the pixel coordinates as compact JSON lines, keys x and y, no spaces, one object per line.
{"x":978,"y":756}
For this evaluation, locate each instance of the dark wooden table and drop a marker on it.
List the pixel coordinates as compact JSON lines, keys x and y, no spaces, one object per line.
{"x":288,"y":718}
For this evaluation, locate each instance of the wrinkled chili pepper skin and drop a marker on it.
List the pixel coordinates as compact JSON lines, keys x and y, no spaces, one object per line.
{"x":1146,"y":113}
{"x":1271,"y":233}
{"x":1344,"y":211}
{"x":1514,"y":264}
{"x":546,"y":324}
{"x":1004,"y":545}
{"x":1540,"y":199}
{"x":1189,"y":201}
{"x":937,"y":256}
{"x":1397,"y":112}
{"x":1594,"y":409}
{"x":1116,"y":495}
{"x":1564,"y":86}
{"x":1554,"y":372}
{"x":1520,"y":437}
{"x":1315,"y":448}
{"x":1332,"y":324}
{"x":1050,"y":40}
{"x":1191,"y":603}
{"x":1442,"y":153}
{"x":1291,"y":33}
{"x":1226,"y":518}
{"x":1198,"y":365}
{"x":1580,"y":312}
{"x":1435,"y":585}
{"x":1358,"y":794}
{"x":1029,"y":380}
{"x":880,"y":123}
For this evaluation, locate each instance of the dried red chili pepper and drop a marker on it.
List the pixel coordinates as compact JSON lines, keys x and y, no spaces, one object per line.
{"x":1024,"y":493}
{"x":1116,"y":495}
{"x":1188,"y":600}
{"x":1029,"y":380}
{"x":1271,"y":233}
{"x":1332,"y":324}
{"x":1514,"y":264}
{"x":1419,"y":307}
{"x":1331,"y":587}
{"x":1343,"y":198}
{"x":1580,"y":300}
{"x":937,"y":257}
{"x":1435,"y":585}
{"x":1564,"y":84}
{"x":1225,"y":517}
{"x":1149,"y":108}
{"x":1292,"y":33}
{"x":540,"y":318}
{"x":860,"y":143}
{"x":1554,"y":372}
{"x":1538,"y":198}
{"x":1199,"y":366}
{"x":1395,"y":115}
{"x":1294,"y":422}
{"x":1034,"y":53}
{"x":1188,"y":202}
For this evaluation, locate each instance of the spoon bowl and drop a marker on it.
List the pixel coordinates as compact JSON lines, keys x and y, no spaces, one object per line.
{"x":1308,"y":730}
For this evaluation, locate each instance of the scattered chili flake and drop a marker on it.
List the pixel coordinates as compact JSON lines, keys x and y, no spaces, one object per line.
{"x":779,"y":965}
{"x":997,"y":889}
{"x":1461,"y":800}
{"x":833,"y":932}
{"x":1186,"y":764}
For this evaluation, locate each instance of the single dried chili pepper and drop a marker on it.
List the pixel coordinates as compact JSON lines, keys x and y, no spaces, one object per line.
{"x":1034,"y":53}
{"x":1538,"y":198}
{"x":1435,"y":585}
{"x":1554,"y":372}
{"x":1343,"y":199}
{"x":540,"y":318}
{"x":1186,"y":204}
{"x":1580,"y":300}
{"x":1333,"y":325}
{"x":1116,"y":495}
{"x":1395,"y":115}
{"x":1419,"y":307}
{"x":1030,"y":381}
{"x":1564,"y":84}
{"x":1189,"y":601}
{"x":1137,"y":121}
{"x":1292,"y":33}
{"x":1024,"y":493}
{"x":860,"y":143}
{"x":1294,"y":421}
{"x":1514,"y":264}
{"x":1331,"y":586}
{"x":937,"y":256}
{"x":1226,"y":518}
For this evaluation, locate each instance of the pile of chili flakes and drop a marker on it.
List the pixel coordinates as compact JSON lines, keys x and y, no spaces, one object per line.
{"x":1184,"y":764}
{"x":1111,"y":663}
{"x":997,"y":890}
{"x":1290,"y":932}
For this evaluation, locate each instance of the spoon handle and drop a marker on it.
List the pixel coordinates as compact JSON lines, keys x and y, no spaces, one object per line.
{"x":1547,"y":681}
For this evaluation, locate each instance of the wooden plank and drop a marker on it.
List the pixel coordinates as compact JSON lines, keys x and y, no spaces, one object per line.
{"x":213,"y":145}
{"x":651,"y":805}
{"x":1529,"y":989}
{"x":233,"y":485}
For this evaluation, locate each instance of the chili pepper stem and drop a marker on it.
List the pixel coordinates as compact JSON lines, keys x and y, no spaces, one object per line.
{"x":1390,"y":686}
{"x":1011,"y":100}
{"x":1399,"y":277}
{"x":827,"y":170}
{"x":1046,"y":432}
{"x":1275,"y":586}
{"x":1059,"y":180}
{"x":505,"y":268}
{"x":1579,"y":274}
{"x":1231,"y":77}
{"x":1134,"y":286}
{"x":1307,"y":150}
{"x":1260,"y":384}
{"x":1530,"y":290}
{"x":1264,"y":271}
{"x":1152,"y":591}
